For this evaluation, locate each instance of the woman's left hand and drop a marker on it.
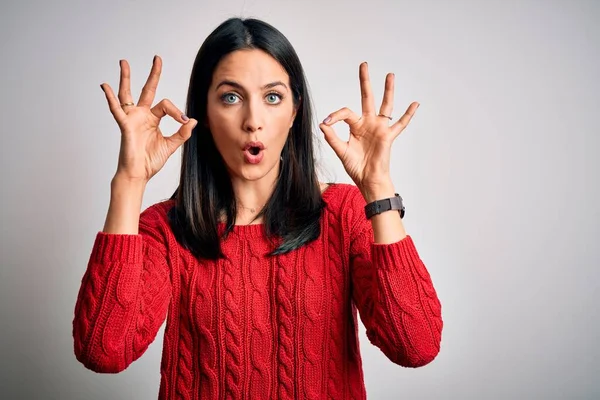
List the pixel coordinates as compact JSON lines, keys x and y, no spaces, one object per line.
{"x":366,"y":154}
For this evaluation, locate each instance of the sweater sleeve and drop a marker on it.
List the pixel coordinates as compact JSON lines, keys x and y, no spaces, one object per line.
{"x":123,"y":297}
{"x":394,"y":294}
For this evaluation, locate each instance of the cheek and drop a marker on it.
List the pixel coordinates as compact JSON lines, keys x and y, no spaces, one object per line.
{"x":221,"y":127}
{"x":216,"y":118}
{"x":283,"y":118}
{"x":280,"y":128}
{"x":225,"y":143}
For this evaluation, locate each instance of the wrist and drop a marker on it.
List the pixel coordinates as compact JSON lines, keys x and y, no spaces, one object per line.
{"x":126,"y":197}
{"x":377,"y":192}
{"x":127,"y":191}
{"x":123,"y":181}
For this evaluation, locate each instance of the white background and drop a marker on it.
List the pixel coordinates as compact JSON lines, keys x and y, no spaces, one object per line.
{"x":498,"y":170}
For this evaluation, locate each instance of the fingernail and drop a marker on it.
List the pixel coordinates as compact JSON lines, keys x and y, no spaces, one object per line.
{"x":327,"y":120}
{"x":184,"y":117}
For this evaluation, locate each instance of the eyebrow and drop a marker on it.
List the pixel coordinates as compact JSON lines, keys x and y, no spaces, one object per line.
{"x":238,"y":86}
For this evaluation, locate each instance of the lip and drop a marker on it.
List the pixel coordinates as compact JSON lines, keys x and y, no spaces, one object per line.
{"x":249,"y":145}
{"x":253,"y":158}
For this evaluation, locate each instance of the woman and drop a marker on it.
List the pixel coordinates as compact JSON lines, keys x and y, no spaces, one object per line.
{"x":258,"y":269}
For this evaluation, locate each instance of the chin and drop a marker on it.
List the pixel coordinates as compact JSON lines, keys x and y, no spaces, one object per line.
{"x":256,"y":172}
{"x":252,"y":175}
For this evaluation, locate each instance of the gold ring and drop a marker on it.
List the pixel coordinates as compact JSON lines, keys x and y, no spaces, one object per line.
{"x":127,"y":104}
{"x":388,"y":117}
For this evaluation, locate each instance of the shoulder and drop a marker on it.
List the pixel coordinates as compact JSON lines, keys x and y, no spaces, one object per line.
{"x":157,"y":215}
{"x":342,"y":196}
{"x":345,"y":203}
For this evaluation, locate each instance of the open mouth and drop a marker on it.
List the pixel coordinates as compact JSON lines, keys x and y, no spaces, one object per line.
{"x":254,"y":150}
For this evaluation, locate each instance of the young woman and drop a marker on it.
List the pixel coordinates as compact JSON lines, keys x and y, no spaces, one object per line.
{"x":258,"y":269}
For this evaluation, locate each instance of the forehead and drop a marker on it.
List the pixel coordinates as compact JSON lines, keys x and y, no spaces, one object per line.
{"x":251,"y":68}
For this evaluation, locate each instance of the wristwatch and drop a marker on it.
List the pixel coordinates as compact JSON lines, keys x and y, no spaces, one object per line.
{"x":379,"y":206}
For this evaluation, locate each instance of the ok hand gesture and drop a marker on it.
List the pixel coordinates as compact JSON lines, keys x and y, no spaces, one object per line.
{"x":144,"y":150}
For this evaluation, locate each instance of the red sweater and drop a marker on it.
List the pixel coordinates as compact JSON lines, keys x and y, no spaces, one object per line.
{"x":254,"y":327}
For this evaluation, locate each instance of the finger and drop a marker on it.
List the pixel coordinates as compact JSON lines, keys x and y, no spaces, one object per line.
{"x":113,"y":103}
{"x":387,"y":105}
{"x":343,"y":114}
{"x":401,"y":124}
{"x":149,"y":89}
{"x":337,"y":144}
{"x":125,"y":83}
{"x":367,"y":101}
{"x":182,"y":135}
{"x":166,"y":107}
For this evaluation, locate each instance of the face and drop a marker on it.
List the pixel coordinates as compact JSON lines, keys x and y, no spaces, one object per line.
{"x":250,"y":111}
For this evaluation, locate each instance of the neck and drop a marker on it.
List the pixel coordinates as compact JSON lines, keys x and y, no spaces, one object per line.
{"x":252,"y":195}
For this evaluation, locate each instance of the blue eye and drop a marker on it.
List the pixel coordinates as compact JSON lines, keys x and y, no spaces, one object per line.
{"x":229,"y":98}
{"x":274,"y":98}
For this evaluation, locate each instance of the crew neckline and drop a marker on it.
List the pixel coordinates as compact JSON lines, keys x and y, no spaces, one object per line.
{"x":258,"y":228}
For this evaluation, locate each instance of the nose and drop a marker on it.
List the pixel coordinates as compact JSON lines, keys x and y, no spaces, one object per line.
{"x":253,"y":117}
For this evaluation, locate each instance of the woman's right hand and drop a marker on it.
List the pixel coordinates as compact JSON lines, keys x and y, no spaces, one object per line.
{"x":144,"y":149}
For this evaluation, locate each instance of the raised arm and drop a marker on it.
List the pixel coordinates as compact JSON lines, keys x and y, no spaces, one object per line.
{"x":123,"y":297}
{"x":393,"y":292}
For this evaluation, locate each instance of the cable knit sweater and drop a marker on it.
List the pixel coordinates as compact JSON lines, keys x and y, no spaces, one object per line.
{"x":253,"y":327}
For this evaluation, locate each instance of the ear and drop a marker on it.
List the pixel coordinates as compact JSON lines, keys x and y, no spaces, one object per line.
{"x":296,"y":107}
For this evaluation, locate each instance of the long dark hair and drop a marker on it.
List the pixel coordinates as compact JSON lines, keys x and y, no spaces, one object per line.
{"x":293,"y":212}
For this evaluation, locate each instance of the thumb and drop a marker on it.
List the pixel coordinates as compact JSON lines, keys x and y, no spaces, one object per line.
{"x":337,"y":144}
{"x":182,"y":135}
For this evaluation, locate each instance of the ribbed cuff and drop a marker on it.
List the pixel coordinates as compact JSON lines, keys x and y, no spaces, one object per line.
{"x":111,"y":247}
{"x":395,"y":255}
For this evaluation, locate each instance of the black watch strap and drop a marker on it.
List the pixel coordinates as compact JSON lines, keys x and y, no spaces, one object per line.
{"x":379,"y":206}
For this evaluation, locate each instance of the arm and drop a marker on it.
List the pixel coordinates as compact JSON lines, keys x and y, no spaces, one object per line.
{"x":392,"y":289}
{"x":126,"y":289}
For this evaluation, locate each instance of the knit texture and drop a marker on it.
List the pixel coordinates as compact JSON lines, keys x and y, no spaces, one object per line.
{"x":252,"y":326}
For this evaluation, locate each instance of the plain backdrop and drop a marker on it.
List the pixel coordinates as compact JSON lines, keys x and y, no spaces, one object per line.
{"x":498,"y":170}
